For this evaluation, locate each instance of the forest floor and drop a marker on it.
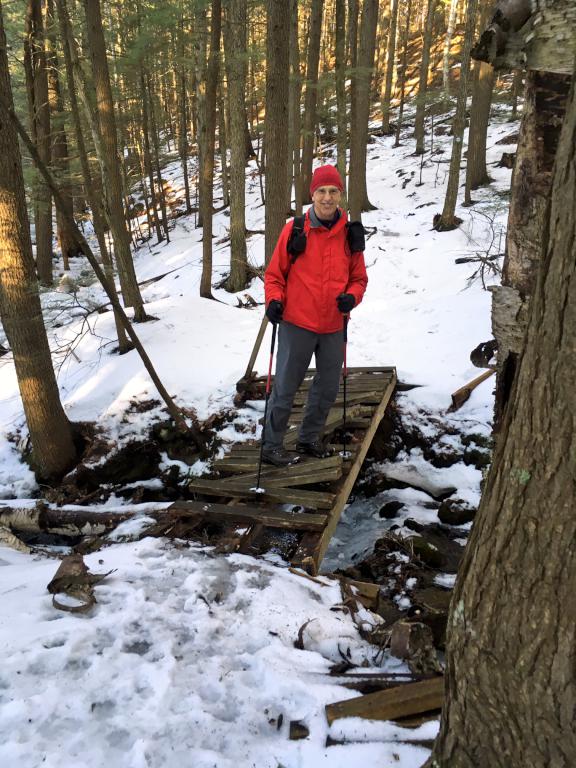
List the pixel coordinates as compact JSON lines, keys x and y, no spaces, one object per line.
{"x":188,"y":657}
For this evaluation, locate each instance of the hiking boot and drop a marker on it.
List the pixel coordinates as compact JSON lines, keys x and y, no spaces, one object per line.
{"x":316,"y":449}
{"x":278,"y":457}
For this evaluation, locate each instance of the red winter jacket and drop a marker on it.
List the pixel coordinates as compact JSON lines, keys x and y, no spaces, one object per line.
{"x":309,"y":287}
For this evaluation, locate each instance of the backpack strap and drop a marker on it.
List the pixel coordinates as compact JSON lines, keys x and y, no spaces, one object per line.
{"x":297,"y":240}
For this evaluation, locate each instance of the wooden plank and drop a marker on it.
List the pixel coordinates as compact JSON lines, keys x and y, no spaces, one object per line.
{"x":401,"y":701}
{"x":311,"y":499}
{"x":358,"y":423}
{"x":333,"y":421}
{"x":246,"y":515}
{"x":352,"y":371}
{"x":307,"y":464}
{"x":348,"y":482}
{"x":285,"y":480}
{"x":351,"y":399}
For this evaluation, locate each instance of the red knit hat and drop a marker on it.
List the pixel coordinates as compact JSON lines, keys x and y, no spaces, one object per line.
{"x":326,"y":176}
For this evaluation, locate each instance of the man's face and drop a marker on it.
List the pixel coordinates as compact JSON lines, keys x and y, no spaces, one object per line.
{"x":326,"y":201}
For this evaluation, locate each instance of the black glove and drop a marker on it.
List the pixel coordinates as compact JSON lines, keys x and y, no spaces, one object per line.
{"x":274,"y":311}
{"x":345,"y":302}
{"x":356,"y":239}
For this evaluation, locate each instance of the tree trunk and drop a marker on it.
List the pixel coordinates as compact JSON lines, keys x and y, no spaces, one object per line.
{"x":341,"y":116}
{"x":448,"y":219}
{"x":515,"y":92}
{"x":37,"y":87}
{"x":390,"y":58}
{"x":53,"y":451}
{"x":310,"y":97}
{"x":78,"y":83}
{"x":200,"y":75}
{"x":183,"y":116}
{"x":59,"y":141}
{"x":223,"y":148}
{"x":94,"y":202}
{"x":511,"y":631}
{"x":147,"y":155}
{"x":447,"y":47}
{"x":476,"y":171}
{"x":294,"y":88}
{"x":419,"y":133}
{"x":361,"y":83}
{"x":156,"y":146}
{"x":235,"y":31}
{"x":276,"y":122}
{"x":207,"y":164}
{"x":544,"y":109}
{"x":352,"y":40}
{"x":107,"y":127}
{"x":403,"y":73}
{"x":294,"y":135}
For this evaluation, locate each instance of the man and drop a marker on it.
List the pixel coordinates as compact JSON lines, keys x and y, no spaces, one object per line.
{"x":314,"y":279}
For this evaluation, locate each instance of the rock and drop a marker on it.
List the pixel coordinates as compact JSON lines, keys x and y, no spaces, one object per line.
{"x":390,"y":509}
{"x":427,"y":552}
{"x":456,"y":512}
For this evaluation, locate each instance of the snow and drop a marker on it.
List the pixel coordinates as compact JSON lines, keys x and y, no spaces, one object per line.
{"x":188,"y":657}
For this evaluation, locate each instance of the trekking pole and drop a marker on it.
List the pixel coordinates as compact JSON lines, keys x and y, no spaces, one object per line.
{"x":257,"y":488}
{"x":345,"y":454}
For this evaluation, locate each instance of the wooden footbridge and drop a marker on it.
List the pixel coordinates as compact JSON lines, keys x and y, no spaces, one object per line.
{"x":298,"y":511}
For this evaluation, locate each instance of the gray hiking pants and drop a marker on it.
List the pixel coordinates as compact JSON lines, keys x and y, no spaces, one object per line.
{"x":295,"y":349}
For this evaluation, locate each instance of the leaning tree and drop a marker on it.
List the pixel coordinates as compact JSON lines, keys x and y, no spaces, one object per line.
{"x":53,"y":450}
{"x":511,"y":652}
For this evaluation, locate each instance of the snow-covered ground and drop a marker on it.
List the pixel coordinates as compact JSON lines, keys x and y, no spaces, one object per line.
{"x":188,"y":658}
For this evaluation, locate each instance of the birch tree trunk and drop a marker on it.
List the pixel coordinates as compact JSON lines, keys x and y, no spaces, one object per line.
{"x":53,"y":451}
{"x":511,"y":631}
